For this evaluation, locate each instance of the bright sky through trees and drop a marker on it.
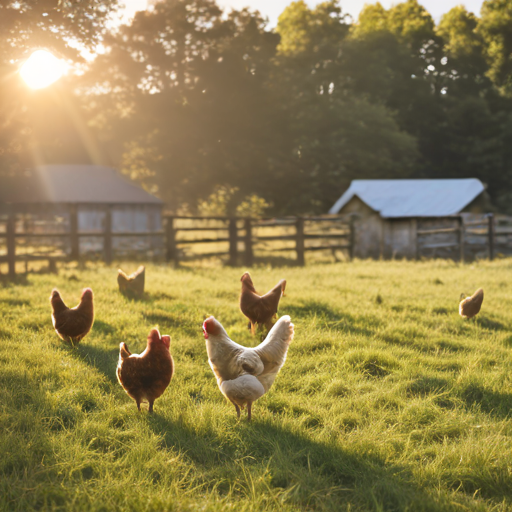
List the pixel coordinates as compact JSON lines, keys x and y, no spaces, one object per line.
{"x":273,"y":8}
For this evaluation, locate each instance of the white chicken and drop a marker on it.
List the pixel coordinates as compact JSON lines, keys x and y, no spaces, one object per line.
{"x":246,"y":374}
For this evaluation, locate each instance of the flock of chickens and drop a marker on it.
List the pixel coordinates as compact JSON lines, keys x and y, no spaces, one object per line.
{"x":243,"y":374}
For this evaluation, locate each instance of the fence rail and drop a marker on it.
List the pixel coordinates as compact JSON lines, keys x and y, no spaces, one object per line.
{"x":484,"y":230}
{"x":240,"y":234}
{"x":244,"y":231}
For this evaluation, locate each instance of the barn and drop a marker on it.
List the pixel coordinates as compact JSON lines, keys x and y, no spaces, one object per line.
{"x":51,"y":198}
{"x":389,"y":213}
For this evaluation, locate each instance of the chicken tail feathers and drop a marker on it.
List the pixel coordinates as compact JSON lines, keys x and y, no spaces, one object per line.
{"x":121,"y":276}
{"x":273,"y":350}
{"x":124,"y":353}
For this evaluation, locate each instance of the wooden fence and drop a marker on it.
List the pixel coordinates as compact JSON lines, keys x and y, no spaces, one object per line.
{"x":237,"y":238}
{"x":244,"y":240}
{"x":476,"y":236}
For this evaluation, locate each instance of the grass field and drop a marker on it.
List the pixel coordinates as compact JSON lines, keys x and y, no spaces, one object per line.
{"x":388,"y":400}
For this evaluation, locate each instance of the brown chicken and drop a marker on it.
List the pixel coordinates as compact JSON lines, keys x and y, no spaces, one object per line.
{"x":132,"y":285}
{"x":146,"y":376}
{"x":260,"y":310}
{"x":470,"y":306}
{"x":72,"y":324}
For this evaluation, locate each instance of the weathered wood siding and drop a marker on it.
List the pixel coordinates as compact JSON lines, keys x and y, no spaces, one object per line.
{"x":368,"y":227}
{"x":376,"y":237}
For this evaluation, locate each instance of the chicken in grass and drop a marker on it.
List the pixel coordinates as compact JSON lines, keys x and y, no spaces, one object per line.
{"x":146,"y":376}
{"x":261,"y":310}
{"x":132,"y":285}
{"x":246,"y":374}
{"x":470,"y":306}
{"x":72,"y":324}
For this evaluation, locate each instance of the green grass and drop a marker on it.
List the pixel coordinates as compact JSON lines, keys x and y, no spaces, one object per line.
{"x":388,"y":399}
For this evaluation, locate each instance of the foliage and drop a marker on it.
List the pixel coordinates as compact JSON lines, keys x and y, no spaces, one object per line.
{"x":252,"y":206}
{"x":390,"y":404}
{"x":495,"y":27}
{"x":219,"y":202}
{"x":225,"y":200}
{"x":188,"y":97}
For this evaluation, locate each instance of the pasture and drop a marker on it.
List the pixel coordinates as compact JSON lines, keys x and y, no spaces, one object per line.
{"x":388,"y":400}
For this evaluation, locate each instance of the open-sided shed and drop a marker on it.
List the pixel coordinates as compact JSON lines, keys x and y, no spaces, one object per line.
{"x":390,"y":213}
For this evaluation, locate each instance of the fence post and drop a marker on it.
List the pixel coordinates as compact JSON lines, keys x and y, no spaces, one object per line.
{"x":170,"y":240}
{"x":461,"y":239}
{"x":491,"y":236}
{"x":352,"y":239}
{"x":299,"y":243}
{"x":107,"y":243}
{"x":233,"y":241}
{"x":73,"y":229}
{"x":11,"y":244}
{"x":249,"y":255}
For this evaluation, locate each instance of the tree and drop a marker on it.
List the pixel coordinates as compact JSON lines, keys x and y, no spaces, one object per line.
{"x":495,"y":27}
{"x":189,"y":83}
{"x":335,"y":134}
{"x":464,"y":52}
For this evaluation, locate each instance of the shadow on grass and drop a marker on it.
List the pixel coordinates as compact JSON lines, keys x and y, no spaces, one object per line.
{"x":14,"y":302}
{"x":104,"y":360}
{"x":361,"y":324}
{"x":18,"y":280}
{"x":488,"y":401}
{"x":154,"y":296}
{"x":424,"y":385}
{"x":103,"y":327}
{"x":275,"y":261}
{"x":489,"y":323}
{"x":170,"y":320}
{"x":318,"y":475}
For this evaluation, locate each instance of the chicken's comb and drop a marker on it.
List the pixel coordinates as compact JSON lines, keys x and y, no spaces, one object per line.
{"x":210,"y":326}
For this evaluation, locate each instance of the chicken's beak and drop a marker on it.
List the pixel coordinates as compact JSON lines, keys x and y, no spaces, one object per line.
{"x":205,"y":332}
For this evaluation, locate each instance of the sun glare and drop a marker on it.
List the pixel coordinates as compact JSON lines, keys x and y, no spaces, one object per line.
{"x":41,"y":69}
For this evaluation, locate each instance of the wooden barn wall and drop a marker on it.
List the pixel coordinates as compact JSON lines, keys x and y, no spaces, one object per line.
{"x":401,"y":238}
{"x":367,"y":229}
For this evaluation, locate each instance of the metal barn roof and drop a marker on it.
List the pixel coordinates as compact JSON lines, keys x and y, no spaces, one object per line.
{"x":413,"y":198}
{"x":73,"y":184}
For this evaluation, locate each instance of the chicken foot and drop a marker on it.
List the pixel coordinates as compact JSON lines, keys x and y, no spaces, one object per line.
{"x":237,"y":408}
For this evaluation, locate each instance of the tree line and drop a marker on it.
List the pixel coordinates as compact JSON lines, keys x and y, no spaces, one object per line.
{"x":192,"y":101}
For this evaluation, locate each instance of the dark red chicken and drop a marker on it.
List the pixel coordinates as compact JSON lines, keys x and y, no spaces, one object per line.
{"x":260,"y":309}
{"x":146,"y":376}
{"x":72,"y":324}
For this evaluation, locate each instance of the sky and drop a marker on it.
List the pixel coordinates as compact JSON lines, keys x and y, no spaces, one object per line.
{"x":273,"y":8}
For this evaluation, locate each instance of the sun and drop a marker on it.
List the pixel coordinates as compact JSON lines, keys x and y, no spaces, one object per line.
{"x":42,"y":69}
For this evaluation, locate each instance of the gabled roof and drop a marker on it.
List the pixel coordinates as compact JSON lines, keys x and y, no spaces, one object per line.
{"x":413,"y":198}
{"x":73,"y":184}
